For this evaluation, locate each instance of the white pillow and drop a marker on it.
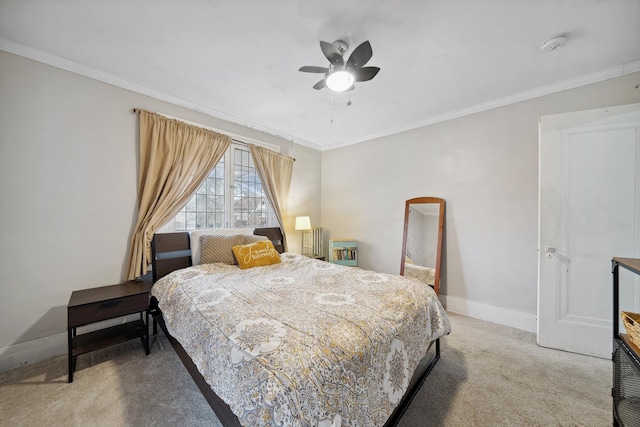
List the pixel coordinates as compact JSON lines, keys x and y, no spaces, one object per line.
{"x":195,"y":239}
{"x":248,"y":239}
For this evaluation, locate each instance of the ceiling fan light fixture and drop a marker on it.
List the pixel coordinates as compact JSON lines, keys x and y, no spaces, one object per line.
{"x":340,"y":80}
{"x":341,"y":75}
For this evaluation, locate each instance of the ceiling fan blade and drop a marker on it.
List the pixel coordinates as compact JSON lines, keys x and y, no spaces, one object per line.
{"x":313,"y":69}
{"x":366,"y":73}
{"x":361,"y":55}
{"x":332,"y":53}
{"x":319,"y":85}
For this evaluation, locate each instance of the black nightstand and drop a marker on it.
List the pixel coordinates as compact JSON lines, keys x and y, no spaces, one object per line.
{"x":93,"y":305}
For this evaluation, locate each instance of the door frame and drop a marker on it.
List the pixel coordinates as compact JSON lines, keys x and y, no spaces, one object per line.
{"x":553,"y":130}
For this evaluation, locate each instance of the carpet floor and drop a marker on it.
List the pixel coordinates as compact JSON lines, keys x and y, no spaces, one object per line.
{"x":489,"y":375}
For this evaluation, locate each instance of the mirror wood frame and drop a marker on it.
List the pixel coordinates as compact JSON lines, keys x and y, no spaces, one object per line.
{"x":438,"y":265}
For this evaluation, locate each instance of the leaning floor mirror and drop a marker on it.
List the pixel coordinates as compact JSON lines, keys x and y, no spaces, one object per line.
{"x":422,"y":240}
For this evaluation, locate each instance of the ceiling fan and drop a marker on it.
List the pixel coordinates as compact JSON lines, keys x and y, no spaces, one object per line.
{"x":341,"y":76}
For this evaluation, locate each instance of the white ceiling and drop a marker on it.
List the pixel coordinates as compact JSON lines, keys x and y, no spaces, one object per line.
{"x":238,"y":60}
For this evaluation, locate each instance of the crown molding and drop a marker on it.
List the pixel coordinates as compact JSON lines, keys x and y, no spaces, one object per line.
{"x":77,"y":68}
{"x":598,"y":76}
{"x":83,"y":70}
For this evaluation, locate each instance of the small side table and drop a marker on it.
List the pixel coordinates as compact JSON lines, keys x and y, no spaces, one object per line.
{"x":107,"y":302}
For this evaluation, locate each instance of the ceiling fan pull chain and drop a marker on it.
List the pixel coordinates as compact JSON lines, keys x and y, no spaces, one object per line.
{"x":331,"y":108}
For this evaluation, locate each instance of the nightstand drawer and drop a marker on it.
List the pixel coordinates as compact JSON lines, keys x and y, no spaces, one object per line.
{"x":107,"y":309}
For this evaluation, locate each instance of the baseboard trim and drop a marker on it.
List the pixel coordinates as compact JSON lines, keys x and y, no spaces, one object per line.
{"x":503,"y":316}
{"x":32,"y":351}
{"x":23,"y":353}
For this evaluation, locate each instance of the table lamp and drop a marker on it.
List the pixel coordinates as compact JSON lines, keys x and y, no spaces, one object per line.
{"x":303,"y":223}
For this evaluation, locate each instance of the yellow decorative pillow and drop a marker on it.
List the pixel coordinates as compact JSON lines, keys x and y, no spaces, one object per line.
{"x":256,"y":254}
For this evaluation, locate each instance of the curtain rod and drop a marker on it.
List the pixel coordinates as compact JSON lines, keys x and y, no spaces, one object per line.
{"x":237,"y":141}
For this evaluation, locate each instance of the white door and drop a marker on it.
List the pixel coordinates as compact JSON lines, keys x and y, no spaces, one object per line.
{"x":589,"y":208}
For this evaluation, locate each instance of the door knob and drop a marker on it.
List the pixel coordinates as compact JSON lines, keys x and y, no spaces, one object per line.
{"x":550,"y":250}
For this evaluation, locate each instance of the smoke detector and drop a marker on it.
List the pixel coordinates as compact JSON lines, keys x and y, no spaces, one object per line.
{"x":554,"y":43}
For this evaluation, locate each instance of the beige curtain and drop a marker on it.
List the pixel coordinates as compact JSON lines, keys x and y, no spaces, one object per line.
{"x":275,"y":172}
{"x":175,"y":158}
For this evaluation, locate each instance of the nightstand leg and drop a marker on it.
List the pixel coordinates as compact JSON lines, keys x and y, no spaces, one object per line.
{"x":70,"y":349}
{"x":147,"y":348}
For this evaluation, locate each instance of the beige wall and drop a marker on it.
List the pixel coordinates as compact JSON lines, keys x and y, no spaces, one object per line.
{"x":486,"y":168}
{"x":68,"y":168}
{"x":68,"y":177}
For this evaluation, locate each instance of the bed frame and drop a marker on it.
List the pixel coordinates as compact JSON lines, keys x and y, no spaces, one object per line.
{"x":172,"y":251}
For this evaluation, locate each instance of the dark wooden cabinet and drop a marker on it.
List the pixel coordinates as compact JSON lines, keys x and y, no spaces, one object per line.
{"x":107,"y":302}
{"x":626,"y":357}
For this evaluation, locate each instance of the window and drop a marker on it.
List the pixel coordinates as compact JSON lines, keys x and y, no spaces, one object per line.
{"x":231,"y":197}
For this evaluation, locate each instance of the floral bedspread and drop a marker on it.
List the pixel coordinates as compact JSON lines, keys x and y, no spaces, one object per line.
{"x":424,"y":274}
{"x":303,"y":342}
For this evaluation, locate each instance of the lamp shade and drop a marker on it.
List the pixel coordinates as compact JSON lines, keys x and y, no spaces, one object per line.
{"x":303,"y":223}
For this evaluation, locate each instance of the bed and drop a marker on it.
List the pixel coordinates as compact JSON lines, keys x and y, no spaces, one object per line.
{"x":296,"y":342}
